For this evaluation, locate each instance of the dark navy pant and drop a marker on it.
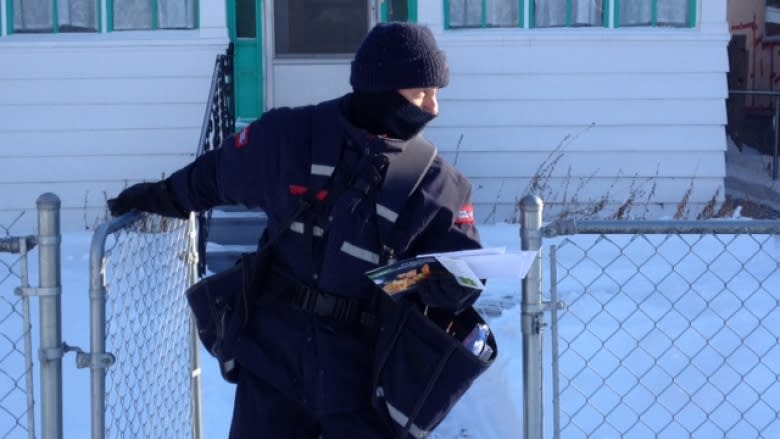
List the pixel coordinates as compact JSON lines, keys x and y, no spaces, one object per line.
{"x":304,"y":377}
{"x":261,"y":411}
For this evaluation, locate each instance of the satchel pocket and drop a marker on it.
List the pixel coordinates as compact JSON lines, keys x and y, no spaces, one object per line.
{"x":220,"y":304}
{"x":421,"y":370}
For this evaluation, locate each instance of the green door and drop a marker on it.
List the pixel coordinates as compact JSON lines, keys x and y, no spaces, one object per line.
{"x":246,"y":32}
{"x":298,"y":51}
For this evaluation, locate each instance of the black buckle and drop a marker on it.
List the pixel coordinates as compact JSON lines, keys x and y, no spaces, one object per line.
{"x":324,"y":305}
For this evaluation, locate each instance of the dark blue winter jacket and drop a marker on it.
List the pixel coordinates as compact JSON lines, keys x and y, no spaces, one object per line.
{"x":269,"y":165}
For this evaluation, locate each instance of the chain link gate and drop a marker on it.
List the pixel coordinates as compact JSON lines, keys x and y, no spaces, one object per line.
{"x":144,"y":360}
{"x":671,"y":328}
{"x":16,"y":364}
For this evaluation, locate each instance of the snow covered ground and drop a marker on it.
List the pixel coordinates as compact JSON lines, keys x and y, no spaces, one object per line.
{"x":493,"y":407}
{"x":749,"y":176}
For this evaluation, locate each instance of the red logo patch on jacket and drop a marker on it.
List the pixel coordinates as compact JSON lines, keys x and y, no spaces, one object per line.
{"x":296,"y":189}
{"x":242,"y":139}
{"x":465,"y":215}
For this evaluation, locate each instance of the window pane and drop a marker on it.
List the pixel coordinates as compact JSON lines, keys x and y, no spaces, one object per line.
{"x":503,"y":13}
{"x":319,"y":26}
{"x":397,"y":10}
{"x":588,"y":12}
{"x":550,"y":13}
{"x":673,"y":12}
{"x":246,"y":19}
{"x":132,"y":14}
{"x":176,"y":14}
{"x":772,"y":19}
{"x":465,"y":13}
{"x":636,"y":12}
{"x":32,"y":16}
{"x":77,"y":16}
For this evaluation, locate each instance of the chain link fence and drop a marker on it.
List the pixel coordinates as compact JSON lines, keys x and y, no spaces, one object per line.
{"x":16,"y":367}
{"x":671,"y":329}
{"x":140,"y":267}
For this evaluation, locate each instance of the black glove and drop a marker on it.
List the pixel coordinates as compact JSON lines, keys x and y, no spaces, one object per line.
{"x":443,"y":291}
{"x":147,"y":197}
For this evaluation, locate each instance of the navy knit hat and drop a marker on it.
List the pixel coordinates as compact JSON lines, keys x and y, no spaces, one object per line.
{"x":398,"y":55}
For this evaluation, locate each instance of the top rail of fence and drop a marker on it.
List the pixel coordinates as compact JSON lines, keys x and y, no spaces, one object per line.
{"x":573,"y":227}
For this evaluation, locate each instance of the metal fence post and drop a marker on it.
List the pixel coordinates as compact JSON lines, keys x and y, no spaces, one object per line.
{"x":532,"y":322}
{"x":777,"y":138}
{"x":51,"y":347}
{"x":197,"y":385}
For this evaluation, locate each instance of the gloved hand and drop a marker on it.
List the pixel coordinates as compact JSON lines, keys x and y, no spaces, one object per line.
{"x":443,"y":291}
{"x":147,"y":197}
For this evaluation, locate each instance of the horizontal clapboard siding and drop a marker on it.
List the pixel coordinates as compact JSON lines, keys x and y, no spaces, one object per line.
{"x":62,"y":169}
{"x":586,"y":164}
{"x":488,"y":190}
{"x":66,"y":117}
{"x":97,"y":141}
{"x":596,"y":114}
{"x":96,"y":91}
{"x":576,"y":138}
{"x":85,"y":118}
{"x":520,"y":54}
{"x":569,"y":86}
{"x":107,"y":59}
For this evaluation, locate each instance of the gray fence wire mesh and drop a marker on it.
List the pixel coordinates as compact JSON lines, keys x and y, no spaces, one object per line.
{"x":16,"y":393}
{"x":146,"y":266}
{"x":669,"y":335}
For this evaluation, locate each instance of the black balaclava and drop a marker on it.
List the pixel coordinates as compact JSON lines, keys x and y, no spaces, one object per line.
{"x":387,"y":113}
{"x":394,"y":56}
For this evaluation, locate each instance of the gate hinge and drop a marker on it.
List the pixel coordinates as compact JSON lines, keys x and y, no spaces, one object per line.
{"x":83,"y":359}
{"x":40,"y":292}
{"x":550,"y":305}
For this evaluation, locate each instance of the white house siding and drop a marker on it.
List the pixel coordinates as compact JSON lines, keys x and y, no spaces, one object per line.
{"x":636,"y":111}
{"x":84,"y":115}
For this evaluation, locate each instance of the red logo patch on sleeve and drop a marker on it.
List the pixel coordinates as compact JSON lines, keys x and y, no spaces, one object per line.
{"x":465,"y":215}
{"x":242,"y":139}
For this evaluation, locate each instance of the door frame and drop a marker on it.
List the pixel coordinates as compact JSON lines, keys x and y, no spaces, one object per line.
{"x":252,"y":100}
{"x":249,"y":97}
{"x":374,"y":16}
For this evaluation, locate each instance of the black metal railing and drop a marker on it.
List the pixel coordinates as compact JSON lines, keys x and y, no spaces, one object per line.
{"x":775,"y":96}
{"x":219,"y":122}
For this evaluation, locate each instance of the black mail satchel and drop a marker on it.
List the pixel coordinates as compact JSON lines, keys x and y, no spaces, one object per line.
{"x":221,"y":303}
{"x":424,"y":364}
{"x":426,"y":358}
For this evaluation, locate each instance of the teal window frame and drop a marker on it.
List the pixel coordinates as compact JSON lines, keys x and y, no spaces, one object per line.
{"x":609,"y":20}
{"x":654,"y":15}
{"x":569,"y":15}
{"x":411,"y":8}
{"x":155,"y":23}
{"x":483,"y":22}
{"x":55,"y":29}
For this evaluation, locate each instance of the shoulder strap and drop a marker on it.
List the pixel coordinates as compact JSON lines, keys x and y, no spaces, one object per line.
{"x":325,"y":143}
{"x":403,"y":176}
{"x":325,"y":154}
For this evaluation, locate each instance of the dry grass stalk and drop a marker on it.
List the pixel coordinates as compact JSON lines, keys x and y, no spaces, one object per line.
{"x":682,"y":205}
